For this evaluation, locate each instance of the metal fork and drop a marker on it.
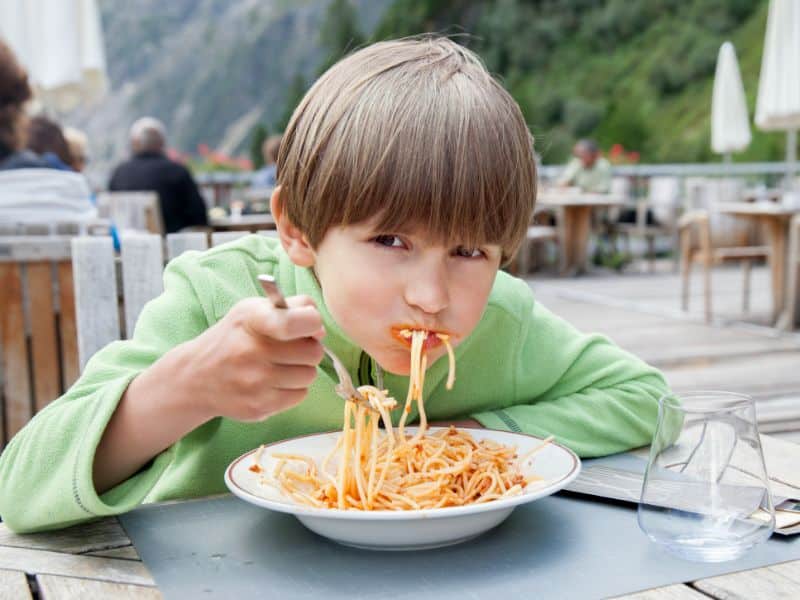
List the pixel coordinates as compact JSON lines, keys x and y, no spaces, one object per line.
{"x":345,"y":388}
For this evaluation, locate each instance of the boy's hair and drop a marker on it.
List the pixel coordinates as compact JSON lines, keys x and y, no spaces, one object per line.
{"x":411,"y":132}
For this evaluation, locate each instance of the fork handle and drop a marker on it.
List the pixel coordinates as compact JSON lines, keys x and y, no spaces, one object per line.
{"x":272,"y":291}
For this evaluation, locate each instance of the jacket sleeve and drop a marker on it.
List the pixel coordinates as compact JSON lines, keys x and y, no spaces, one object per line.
{"x":590,"y":394}
{"x":46,"y":469}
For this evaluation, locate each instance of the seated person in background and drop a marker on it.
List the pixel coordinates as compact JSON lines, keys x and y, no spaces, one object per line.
{"x":30,"y":191}
{"x":13,"y":125}
{"x":46,"y":139}
{"x":266,"y":176}
{"x":151,"y":170}
{"x":78,"y":148}
{"x":587,"y":169}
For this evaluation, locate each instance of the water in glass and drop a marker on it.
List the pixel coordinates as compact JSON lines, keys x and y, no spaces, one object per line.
{"x":706,"y":494}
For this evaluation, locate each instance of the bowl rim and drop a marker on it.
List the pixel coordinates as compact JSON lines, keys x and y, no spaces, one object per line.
{"x":403,"y":515}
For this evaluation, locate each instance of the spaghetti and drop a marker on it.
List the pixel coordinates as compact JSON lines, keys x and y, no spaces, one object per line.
{"x":391,"y":470}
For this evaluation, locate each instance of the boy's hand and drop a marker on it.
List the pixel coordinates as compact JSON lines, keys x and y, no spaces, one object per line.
{"x":256,"y":361}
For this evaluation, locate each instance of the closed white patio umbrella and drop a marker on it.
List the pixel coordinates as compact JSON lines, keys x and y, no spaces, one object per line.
{"x":60,"y":44}
{"x":778,"y":103}
{"x":730,"y":124}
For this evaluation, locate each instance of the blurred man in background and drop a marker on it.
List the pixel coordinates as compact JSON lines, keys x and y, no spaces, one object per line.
{"x":587,"y":169}
{"x":150,"y":170}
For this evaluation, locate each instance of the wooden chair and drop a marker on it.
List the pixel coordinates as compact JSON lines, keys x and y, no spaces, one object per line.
{"x":132,"y":211}
{"x":535,"y":237}
{"x":59,"y":304}
{"x":709,"y":238}
{"x":97,"y":301}
{"x":663,"y":202}
{"x":792,"y":315}
{"x":37,"y":326}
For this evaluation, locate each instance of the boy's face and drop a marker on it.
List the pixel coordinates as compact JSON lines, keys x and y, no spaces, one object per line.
{"x":376,"y":283}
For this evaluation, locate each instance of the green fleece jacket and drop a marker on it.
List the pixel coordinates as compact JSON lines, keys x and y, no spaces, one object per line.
{"x":522,"y":369}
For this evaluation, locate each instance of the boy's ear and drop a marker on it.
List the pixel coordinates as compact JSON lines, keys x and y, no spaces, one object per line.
{"x":293,"y":240}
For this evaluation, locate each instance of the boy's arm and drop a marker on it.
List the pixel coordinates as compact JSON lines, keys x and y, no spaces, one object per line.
{"x":46,"y":469}
{"x":592,"y":395}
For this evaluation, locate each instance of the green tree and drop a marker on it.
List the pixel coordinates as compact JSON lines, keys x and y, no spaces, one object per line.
{"x":295,"y":93}
{"x":257,"y":136}
{"x":339,"y":32}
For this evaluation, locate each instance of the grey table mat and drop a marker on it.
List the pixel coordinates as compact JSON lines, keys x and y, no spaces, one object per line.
{"x":556,"y":547}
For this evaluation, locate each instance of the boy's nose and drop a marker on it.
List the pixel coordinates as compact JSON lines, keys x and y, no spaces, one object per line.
{"x":427,"y":289}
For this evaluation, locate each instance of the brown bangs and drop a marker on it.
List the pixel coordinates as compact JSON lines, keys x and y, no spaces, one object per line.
{"x":413,"y":133}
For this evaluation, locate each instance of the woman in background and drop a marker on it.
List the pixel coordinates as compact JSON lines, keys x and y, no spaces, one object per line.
{"x":14,"y":94}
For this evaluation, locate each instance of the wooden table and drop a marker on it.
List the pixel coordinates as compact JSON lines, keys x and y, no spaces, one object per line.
{"x":574,"y":219}
{"x":243,"y":223}
{"x":763,"y":195}
{"x":97,"y":560}
{"x":775,"y":219}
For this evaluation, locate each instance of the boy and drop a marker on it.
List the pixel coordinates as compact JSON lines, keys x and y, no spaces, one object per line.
{"x":406,"y":178}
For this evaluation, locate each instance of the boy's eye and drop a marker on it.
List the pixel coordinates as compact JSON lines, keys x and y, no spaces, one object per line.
{"x":463,"y":252}
{"x":390,"y":241}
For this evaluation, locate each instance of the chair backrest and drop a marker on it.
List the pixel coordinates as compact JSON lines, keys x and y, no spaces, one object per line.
{"x":91,"y":227}
{"x":60,"y":303}
{"x":37,"y":326}
{"x":98,"y":304}
{"x":705,"y":193}
{"x":621,"y":187}
{"x":664,"y":198}
{"x":132,"y":211}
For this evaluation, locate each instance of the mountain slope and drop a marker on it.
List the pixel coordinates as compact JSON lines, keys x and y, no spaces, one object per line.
{"x":210,"y":69}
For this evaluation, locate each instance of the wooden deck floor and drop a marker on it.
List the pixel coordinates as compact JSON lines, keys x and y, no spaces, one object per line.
{"x":738,"y":353}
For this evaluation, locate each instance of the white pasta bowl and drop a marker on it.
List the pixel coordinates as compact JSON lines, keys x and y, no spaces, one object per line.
{"x":406,"y":529}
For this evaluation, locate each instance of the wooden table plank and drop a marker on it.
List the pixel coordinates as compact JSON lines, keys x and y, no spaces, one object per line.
{"x":53,"y":587}
{"x":790,"y":570}
{"x":670,"y":592}
{"x":102,"y":534}
{"x":767,"y":582}
{"x":37,"y":562}
{"x":14,"y":585}
{"x":128,"y":552}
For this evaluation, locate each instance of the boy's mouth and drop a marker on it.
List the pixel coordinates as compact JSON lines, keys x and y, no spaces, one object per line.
{"x":402,"y":333}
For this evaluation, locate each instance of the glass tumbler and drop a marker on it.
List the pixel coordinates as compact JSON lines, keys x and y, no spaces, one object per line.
{"x":705,"y":494}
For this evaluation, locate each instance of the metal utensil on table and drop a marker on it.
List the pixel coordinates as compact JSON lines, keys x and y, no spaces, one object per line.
{"x":345,"y":387}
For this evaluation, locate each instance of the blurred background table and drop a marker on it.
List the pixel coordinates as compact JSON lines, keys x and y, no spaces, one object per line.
{"x":775,"y":219}
{"x":573,"y":212}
